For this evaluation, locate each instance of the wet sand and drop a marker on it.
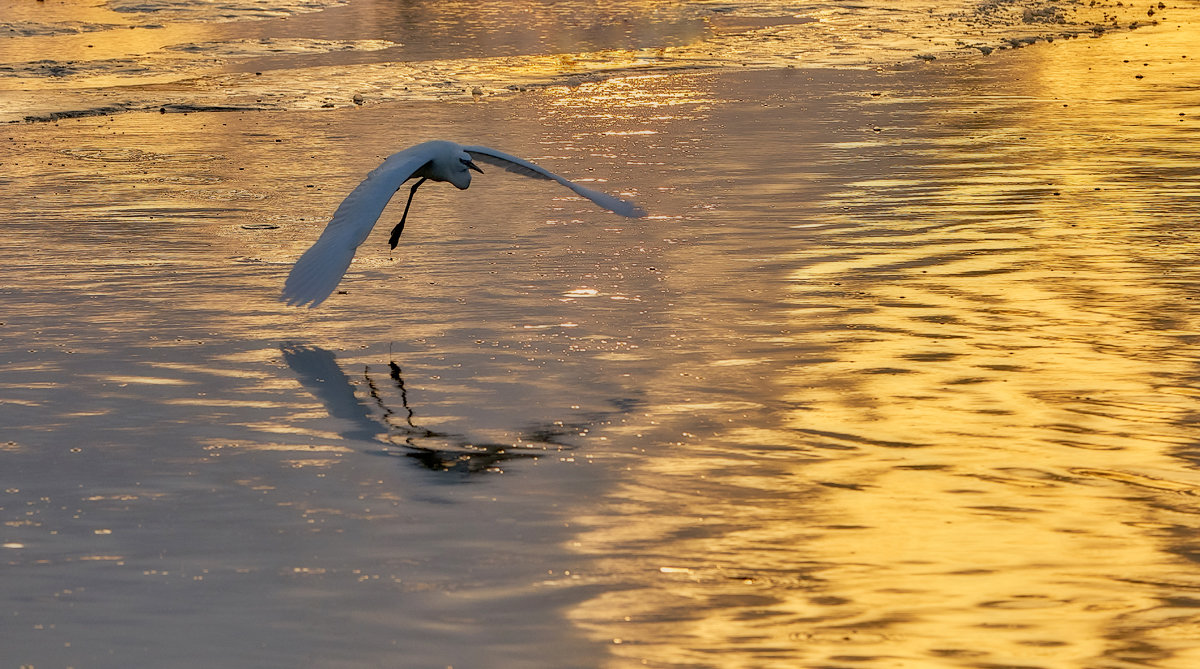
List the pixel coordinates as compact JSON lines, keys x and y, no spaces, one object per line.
{"x":64,"y":60}
{"x":900,"y":372}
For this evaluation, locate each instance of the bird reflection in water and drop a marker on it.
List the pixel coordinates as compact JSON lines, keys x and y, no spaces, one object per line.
{"x":396,"y":428}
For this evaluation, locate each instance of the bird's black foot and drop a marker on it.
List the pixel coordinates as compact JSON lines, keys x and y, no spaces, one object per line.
{"x":395,"y":238}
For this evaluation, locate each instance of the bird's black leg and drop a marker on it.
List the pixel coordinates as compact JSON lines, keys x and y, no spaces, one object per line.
{"x":395,"y":238}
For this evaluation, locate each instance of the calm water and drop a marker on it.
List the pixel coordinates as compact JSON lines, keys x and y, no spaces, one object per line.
{"x":901,"y":371}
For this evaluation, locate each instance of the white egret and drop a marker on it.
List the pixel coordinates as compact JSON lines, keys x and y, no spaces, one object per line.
{"x":319,"y":270}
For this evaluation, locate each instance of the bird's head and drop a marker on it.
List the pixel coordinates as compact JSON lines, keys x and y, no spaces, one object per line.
{"x":460,"y":170}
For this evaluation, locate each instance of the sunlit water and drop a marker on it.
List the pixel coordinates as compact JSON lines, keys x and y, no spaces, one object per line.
{"x":901,"y":372}
{"x":69,"y":58}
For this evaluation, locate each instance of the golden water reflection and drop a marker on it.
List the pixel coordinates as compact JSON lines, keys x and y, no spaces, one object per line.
{"x":919,"y":395}
{"x":980,"y":452}
{"x":315,"y":54}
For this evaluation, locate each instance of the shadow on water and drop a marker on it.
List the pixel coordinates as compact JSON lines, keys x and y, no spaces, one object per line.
{"x":396,"y":428}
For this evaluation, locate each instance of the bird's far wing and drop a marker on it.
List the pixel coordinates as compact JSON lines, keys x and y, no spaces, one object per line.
{"x":526,"y":168}
{"x":317,"y":273}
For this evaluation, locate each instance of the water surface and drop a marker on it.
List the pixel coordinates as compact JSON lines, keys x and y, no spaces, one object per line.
{"x":65,"y":58}
{"x":899,"y":372}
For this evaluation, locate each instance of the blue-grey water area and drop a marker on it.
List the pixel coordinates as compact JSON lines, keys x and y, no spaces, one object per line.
{"x":902,"y":369}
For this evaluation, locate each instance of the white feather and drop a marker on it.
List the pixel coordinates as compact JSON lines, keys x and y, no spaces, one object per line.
{"x":514,"y":164}
{"x":319,"y":270}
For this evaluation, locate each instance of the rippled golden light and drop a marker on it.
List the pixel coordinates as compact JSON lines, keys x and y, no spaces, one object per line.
{"x":978,"y":464}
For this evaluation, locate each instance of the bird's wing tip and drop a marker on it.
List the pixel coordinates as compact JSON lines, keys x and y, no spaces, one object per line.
{"x":626,"y":208}
{"x":297,"y":301}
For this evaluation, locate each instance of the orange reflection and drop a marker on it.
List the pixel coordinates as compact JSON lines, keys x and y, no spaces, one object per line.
{"x":951,"y":433}
{"x":984,"y":456}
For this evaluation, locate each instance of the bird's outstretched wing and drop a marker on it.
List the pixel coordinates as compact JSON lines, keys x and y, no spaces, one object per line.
{"x":318,"y":272}
{"x":525,"y":168}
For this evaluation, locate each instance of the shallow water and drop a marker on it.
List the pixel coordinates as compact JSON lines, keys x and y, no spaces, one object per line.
{"x":64,"y":58}
{"x":900,"y":372}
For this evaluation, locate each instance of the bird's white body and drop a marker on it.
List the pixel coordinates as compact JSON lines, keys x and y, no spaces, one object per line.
{"x":319,"y":270}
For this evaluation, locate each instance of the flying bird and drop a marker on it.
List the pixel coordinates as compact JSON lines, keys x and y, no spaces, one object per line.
{"x":319,"y":270}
